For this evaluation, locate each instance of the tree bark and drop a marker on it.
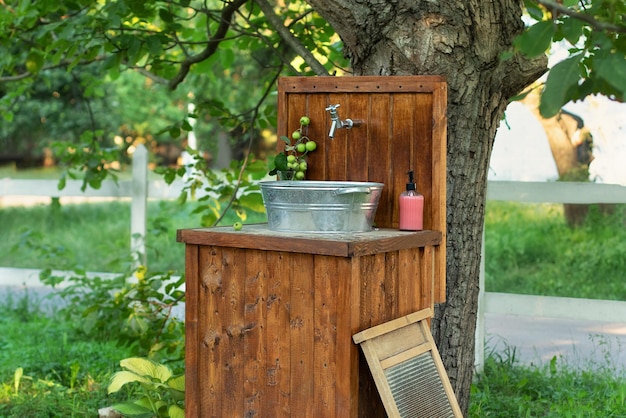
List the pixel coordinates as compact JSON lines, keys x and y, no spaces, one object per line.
{"x":463,"y":41}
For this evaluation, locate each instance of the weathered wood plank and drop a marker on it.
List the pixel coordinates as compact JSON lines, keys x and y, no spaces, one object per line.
{"x":318,"y":132}
{"x":427,"y":293}
{"x":357,"y":156}
{"x":278,"y":365}
{"x":392,"y":283}
{"x":192,"y":391}
{"x":421,"y":84}
{"x":379,"y":147}
{"x":403,"y":149}
{"x":325,"y":341}
{"x":301,"y":329}
{"x":233,"y":326}
{"x":335,"y":150}
{"x":254,"y":347}
{"x":342,"y":245}
{"x":409,"y":282}
{"x":347,"y":358}
{"x":210,"y":313}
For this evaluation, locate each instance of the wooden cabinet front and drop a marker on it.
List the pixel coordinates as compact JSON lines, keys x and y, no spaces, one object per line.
{"x":270,"y":317}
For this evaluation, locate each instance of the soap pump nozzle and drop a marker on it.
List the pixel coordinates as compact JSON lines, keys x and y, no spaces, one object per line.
{"x":411,"y":184}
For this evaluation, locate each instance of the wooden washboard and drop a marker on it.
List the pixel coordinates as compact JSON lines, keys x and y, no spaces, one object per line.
{"x":407,"y":368}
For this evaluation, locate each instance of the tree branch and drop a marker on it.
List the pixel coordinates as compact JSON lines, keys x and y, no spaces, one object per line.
{"x":596,"y":24}
{"x":293,"y":42}
{"x":213,"y":43}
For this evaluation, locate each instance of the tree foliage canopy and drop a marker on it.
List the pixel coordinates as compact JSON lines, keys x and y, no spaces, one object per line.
{"x":222,"y":56}
{"x":228,"y":49}
{"x":594,"y":32}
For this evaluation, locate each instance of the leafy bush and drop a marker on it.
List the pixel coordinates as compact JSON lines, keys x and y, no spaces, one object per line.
{"x":137,"y":310}
{"x":162,"y":392}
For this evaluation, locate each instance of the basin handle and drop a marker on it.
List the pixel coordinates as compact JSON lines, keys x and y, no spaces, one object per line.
{"x":348,"y":190}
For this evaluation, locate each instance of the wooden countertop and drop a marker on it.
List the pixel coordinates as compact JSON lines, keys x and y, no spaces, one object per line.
{"x":259,"y":237}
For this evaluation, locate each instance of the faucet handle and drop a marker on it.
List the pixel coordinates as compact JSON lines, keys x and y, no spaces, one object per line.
{"x":332,"y":108}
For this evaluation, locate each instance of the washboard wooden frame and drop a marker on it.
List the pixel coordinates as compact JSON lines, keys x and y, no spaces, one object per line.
{"x":407,"y":368}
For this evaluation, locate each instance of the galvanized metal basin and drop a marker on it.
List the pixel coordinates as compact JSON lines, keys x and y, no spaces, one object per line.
{"x":320,"y":206}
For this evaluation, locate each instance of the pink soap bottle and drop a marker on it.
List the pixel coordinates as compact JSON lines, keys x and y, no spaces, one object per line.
{"x":411,"y":207}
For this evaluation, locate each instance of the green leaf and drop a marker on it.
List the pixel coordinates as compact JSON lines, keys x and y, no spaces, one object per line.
{"x":571,"y":29}
{"x":177,"y":383}
{"x":561,"y":86}
{"x":534,"y":10}
{"x":280,"y":162}
{"x":153,"y":45}
{"x":612,"y":69}
{"x":176,"y":411}
{"x":537,"y":39}
{"x":131,"y":409}
{"x":148,"y":368}
{"x":119,"y":379}
{"x":252,"y":201}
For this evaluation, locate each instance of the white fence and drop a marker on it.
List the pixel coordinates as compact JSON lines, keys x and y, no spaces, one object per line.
{"x":139,"y":189}
{"x":544,"y":306}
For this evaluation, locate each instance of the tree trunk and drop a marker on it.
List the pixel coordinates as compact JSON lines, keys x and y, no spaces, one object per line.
{"x":462,"y":40}
{"x":570,"y":143}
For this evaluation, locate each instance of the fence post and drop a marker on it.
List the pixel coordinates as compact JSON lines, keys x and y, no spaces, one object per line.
{"x":139,"y":203}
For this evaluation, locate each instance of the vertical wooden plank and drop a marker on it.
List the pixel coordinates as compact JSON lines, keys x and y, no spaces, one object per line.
{"x":210,"y":311}
{"x":297,"y":108}
{"x":403,"y":149}
{"x":302,"y":335}
{"x":392,"y":283}
{"x":428,"y":277}
{"x":277,"y":401}
{"x":336,"y":151}
{"x":423,"y":153}
{"x":346,"y":393}
{"x":357,"y":158}
{"x":325,"y":341}
{"x":232,"y":345}
{"x":439,"y":264}
{"x":409,"y":287}
{"x":379,"y":168}
{"x":318,"y":132}
{"x":254,"y":348}
{"x":439,"y":164}
{"x":284,"y":98}
{"x":192,"y":409}
{"x":370,"y":404}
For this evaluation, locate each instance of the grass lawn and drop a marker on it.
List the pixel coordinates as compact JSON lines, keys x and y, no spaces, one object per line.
{"x":529,"y":249}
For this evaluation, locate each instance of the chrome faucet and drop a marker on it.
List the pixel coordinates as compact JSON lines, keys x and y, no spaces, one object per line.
{"x":337,"y":123}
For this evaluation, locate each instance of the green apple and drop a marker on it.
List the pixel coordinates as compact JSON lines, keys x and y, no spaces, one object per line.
{"x":310,"y":146}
